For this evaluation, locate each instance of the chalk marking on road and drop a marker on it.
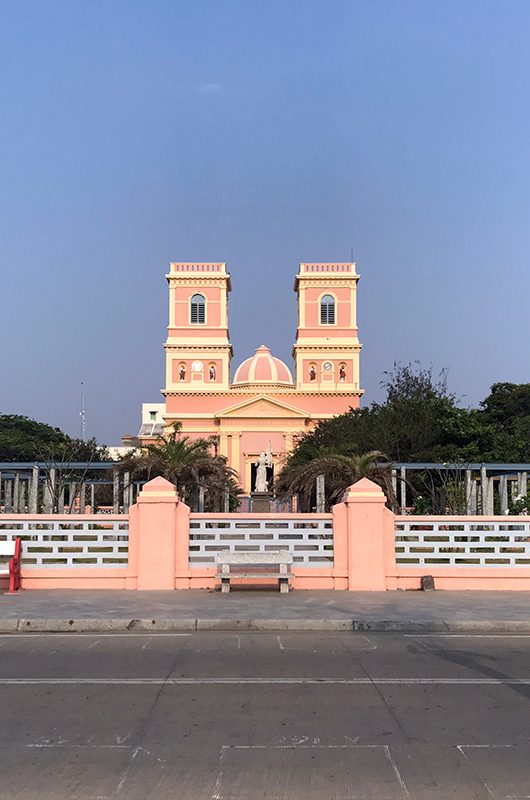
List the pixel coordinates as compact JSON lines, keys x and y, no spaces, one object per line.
{"x":372,"y":645}
{"x":265,"y":681}
{"x":50,"y":746}
{"x":280,"y":643}
{"x":396,"y":771}
{"x":239,"y":642}
{"x":94,"y":644}
{"x":144,"y":646}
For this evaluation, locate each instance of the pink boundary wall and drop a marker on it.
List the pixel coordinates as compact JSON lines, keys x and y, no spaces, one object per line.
{"x":363,"y":534}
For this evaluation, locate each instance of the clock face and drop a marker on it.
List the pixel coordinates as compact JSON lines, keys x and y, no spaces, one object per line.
{"x":196,"y":366}
{"x":327,"y":365}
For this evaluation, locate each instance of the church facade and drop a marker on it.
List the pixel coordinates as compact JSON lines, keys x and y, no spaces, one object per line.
{"x":263,"y":407}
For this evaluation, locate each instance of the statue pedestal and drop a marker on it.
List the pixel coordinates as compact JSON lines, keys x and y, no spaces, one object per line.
{"x":261,"y":503}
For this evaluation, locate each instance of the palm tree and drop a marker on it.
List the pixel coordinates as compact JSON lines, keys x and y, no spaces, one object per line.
{"x":189,"y":464}
{"x":340,"y":470}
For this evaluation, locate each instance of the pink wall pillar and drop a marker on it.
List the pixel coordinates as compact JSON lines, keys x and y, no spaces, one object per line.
{"x":370,"y":542}
{"x":153,"y":535}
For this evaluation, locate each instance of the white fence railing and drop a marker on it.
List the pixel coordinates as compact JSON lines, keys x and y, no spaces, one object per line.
{"x":66,"y":541}
{"x":309,"y":537}
{"x":463,"y":541}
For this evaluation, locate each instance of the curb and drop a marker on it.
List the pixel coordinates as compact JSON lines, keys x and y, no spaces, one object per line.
{"x":100,"y":625}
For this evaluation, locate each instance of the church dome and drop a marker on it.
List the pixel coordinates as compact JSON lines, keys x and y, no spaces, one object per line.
{"x":262,"y":367}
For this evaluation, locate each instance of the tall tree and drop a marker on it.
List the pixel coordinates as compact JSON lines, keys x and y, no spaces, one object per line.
{"x":189,"y":464}
{"x":25,"y":439}
{"x":299,"y":476}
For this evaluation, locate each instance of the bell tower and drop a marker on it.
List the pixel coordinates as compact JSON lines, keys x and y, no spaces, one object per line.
{"x":198,"y":349}
{"x":327,"y":349}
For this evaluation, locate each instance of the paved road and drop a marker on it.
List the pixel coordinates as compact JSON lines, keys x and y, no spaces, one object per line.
{"x":295,"y":716}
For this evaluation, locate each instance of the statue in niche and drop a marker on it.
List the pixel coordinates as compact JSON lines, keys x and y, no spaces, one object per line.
{"x":342,"y":373}
{"x":182,"y":372}
{"x":312,"y":374}
{"x":264,"y":461}
{"x":213,"y":373}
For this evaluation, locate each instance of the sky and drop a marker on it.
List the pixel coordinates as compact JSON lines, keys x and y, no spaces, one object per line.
{"x":266,"y":133}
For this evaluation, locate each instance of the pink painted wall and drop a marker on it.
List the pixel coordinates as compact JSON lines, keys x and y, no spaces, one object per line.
{"x":363,"y":533}
{"x":342,"y":308}
{"x":183,"y":295}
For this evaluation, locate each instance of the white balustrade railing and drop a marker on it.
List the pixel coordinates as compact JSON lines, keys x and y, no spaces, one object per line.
{"x":309,"y":537}
{"x":463,"y":541}
{"x":66,"y":541}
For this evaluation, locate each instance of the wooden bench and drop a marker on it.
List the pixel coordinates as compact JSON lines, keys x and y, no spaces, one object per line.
{"x":11,"y":550}
{"x":275,"y":564}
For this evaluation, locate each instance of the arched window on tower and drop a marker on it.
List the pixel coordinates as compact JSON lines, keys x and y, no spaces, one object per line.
{"x":327,"y":310}
{"x":197,"y":310}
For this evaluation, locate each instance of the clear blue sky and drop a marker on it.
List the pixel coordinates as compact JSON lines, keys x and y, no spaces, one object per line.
{"x":263,"y":133}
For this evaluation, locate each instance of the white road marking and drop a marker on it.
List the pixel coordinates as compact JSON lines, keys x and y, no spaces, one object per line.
{"x":144,"y":646}
{"x":396,"y":771}
{"x":304,"y":746}
{"x":469,"y":635}
{"x":94,"y":644}
{"x":266,"y":681}
{"x":80,"y":635}
{"x":460,"y":748}
{"x":280,"y":643}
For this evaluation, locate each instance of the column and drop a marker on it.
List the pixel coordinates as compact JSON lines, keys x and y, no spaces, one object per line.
{"x":483,"y":490}
{"x":153,"y":535}
{"x":8,"y":502}
{"x":473,"y":498}
{"x":467,"y":490}
{"x":16,"y":492}
{"x":223,"y":445}
{"x":403,"y":490}
{"x":503,"y":494}
{"x":34,"y":491}
{"x":370,"y":536}
{"x":126,"y":479}
{"x":115,"y":492}
{"x":49,"y":490}
{"x":236,"y":454}
{"x":321,"y":494}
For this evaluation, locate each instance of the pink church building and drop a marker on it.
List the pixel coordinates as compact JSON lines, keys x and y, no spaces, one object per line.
{"x":262,"y":407}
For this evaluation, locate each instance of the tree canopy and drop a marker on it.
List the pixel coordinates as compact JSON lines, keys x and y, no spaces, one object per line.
{"x":25,"y":439}
{"x":419,"y":420}
{"x":188,"y":464}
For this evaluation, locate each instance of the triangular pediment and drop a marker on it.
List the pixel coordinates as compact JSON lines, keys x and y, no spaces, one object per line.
{"x":264,"y":407}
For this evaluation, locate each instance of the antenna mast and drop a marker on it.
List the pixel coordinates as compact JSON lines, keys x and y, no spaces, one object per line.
{"x":82,"y":413}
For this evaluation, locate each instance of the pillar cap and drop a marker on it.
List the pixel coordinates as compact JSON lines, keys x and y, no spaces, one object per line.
{"x":158,"y":489}
{"x":364,"y":490}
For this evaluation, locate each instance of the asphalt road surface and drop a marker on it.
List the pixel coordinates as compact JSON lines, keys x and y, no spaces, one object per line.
{"x":295,"y":716}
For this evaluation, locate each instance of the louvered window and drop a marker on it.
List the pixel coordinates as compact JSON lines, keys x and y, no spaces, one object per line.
{"x":198,"y":310}
{"x":327,"y":310}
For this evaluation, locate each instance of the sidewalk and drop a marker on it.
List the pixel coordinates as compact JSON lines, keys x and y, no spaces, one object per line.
{"x":107,"y":610}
